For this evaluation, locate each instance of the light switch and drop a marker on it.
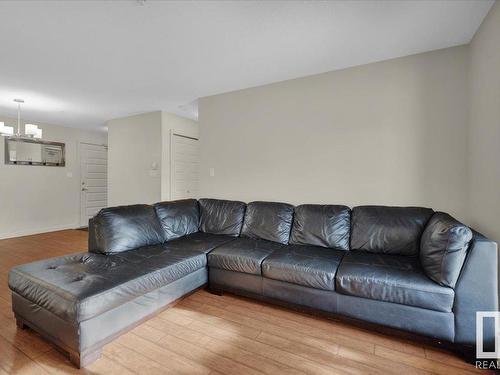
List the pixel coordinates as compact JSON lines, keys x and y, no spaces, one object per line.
{"x":211,"y":172}
{"x":69,"y":174}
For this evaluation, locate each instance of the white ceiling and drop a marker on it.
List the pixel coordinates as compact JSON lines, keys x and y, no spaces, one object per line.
{"x":80,"y":63}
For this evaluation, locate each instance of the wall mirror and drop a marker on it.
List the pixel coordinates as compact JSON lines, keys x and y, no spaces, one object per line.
{"x":28,"y":151}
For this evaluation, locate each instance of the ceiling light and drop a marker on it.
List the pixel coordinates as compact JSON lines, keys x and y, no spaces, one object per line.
{"x":19,"y":102}
{"x":30,"y":130}
{"x":6,"y":131}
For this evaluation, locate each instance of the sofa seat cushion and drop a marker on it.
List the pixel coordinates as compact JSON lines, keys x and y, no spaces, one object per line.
{"x":204,"y":242}
{"x":78,"y":287}
{"x":391,"y":278}
{"x":310,"y":266}
{"x":242,"y":255}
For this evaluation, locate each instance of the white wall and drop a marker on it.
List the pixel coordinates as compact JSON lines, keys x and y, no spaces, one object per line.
{"x":392,"y":132}
{"x":134,"y":144}
{"x":484,"y":127}
{"x":178,"y":125}
{"x":35,"y":199}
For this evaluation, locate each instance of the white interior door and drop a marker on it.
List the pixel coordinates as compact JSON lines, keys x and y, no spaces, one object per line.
{"x":94,"y":180}
{"x":184,"y":167}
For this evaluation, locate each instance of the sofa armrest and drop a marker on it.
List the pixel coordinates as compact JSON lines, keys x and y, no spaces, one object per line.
{"x":476,"y":290}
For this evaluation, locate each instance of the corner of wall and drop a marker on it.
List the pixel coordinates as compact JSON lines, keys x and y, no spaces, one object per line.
{"x":483,"y":136}
{"x":172,"y":123}
{"x":131,"y":176}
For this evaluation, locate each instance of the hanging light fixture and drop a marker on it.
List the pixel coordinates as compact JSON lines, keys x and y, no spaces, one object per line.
{"x":6,"y":131}
{"x":30,"y":130}
{"x":19,"y":102}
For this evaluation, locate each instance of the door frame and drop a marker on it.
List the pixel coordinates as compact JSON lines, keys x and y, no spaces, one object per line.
{"x":80,"y":176}
{"x":172,"y":170}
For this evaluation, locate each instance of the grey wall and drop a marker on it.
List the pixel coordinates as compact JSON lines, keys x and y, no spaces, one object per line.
{"x":35,"y":199}
{"x":392,"y":132}
{"x":134,"y":144}
{"x":484,"y":127}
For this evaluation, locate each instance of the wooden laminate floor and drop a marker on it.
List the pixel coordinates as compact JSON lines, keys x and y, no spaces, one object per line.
{"x":208,"y":334}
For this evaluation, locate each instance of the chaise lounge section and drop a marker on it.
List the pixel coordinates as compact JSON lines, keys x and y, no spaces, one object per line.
{"x":407,"y":268}
{"x":141,"y":259}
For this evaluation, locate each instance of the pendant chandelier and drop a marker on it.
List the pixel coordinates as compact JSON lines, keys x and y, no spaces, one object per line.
{"x":30,"y":130}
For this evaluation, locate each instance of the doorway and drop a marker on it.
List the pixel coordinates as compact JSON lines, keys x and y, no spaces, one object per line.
{"x":93,"y":180}
{"x":184,"y":167}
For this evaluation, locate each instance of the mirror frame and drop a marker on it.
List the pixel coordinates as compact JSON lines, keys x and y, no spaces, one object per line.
{"x":36,"y":141}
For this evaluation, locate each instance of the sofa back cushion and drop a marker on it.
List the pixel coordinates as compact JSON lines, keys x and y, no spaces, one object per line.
{"x":124,"y":228}
{"x":221,"y":217}
{"x":321,"y":225}
{"x":270,"y":221}
{"x":388,"y":230}
{"x":443,"y":248}
{"x":178,"y":218}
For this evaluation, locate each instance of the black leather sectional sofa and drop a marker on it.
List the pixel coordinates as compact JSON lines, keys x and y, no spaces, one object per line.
{"x":407,"y":268}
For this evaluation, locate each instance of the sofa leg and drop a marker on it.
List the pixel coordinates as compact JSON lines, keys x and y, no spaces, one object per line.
{"x":216,"y":291}
{"x":81,"y":360}
{"x":20,"y":323}
{"x":468,"y":354}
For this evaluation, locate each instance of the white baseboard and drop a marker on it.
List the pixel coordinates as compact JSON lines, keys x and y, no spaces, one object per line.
{"x":29,"y":232}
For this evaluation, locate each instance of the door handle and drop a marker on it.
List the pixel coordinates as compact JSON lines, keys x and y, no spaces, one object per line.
{"x":84,"y":189}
